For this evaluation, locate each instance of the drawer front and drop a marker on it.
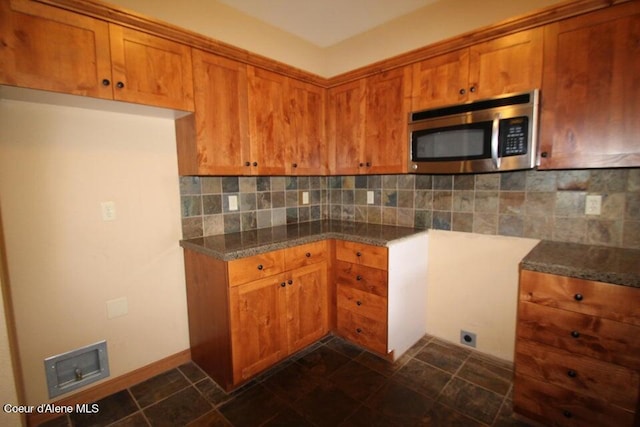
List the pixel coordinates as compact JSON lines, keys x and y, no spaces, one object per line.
{"x":612,"y":383}
{"x":580,"y":333}
{"x":368,"y":333}
{"x":615,"y":302}
{"x":362,"y":303}
{"x":561,"y":407}
{"x":256,"y":267}
{"x":300,"y":256}
{"x":367,"y":279}
{"x":361,"y":254}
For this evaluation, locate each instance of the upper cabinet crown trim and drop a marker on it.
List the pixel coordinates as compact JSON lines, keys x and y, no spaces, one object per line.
{"x":110,"y":13}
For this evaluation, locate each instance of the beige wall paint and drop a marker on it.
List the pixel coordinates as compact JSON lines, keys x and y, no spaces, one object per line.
{"x":56,"y":165}
{"x":223,"y":23}
{"x":8,"y":392}
{"x":438,"y":21}
{"x":472,"y":285}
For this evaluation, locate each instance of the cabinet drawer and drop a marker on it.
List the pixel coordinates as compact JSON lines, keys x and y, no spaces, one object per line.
{"x":615,"y":302}
{"x":363,"y":303}
{"x":364,"y":331}
{"x":580,"y":333}
{"x":256,"y":267}
{"x":561,"y":407}
{"x":367,"y":279}
{"x":310,"y":253}
{"x":612,"y":383}
{"x":359,"y":253}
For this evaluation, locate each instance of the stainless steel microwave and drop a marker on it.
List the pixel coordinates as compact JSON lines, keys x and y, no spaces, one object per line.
{"x":497,"y":134}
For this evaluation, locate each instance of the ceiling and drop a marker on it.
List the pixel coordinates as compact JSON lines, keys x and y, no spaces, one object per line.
{"x":326,"y":22}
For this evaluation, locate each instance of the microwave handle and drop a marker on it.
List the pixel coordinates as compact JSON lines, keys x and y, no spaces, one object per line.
{"x":495,"y":130}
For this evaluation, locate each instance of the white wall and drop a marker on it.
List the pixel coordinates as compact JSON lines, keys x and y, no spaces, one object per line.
{"x":56,"y":165}
{"x":473,"y":285}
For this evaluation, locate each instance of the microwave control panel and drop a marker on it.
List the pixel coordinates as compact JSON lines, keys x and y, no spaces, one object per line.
{"x":513,"y":136}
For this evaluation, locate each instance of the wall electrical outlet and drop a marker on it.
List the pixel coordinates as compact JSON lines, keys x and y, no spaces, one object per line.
{"x":305,"y":198}
{"x":593,"y":204}
{"x":233,"y":203}
{"x":468,"y":338}
{"x":108,"y":211}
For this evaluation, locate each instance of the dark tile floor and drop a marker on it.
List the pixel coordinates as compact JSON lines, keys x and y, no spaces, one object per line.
{"x":332,"y":383}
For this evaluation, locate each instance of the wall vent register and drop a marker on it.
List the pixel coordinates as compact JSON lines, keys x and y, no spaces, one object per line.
{"x":74,"y":369}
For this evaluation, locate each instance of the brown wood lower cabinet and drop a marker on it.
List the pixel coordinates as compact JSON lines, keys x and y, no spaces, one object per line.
{"x":362,"y":295}
{"x":277,"y":316}
{"x":245,"y":315}
{"x":577,"y":357}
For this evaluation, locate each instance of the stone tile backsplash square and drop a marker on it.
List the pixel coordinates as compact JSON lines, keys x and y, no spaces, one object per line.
{"x":536,"y":204}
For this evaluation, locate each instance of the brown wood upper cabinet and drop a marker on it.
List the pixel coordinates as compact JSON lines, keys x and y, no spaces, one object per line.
{"x":306,"y":141}
{"x":47,"y":48}
{"x":249,"y":121}
{"x":367,"y":121}
{"x":506,"y":64}
{"x":591,"y":96}
{"x":215,"y":139}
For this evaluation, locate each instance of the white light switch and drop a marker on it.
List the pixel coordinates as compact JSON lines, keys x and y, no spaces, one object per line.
{"x":117,"y":307}
{"x":233,"y":203}
{"x":108,"y":211}
{"x":370,"y":197}
{"x":305,"y":197}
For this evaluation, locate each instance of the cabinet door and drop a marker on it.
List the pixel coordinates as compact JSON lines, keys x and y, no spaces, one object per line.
{"x":150,"y":70}
{"x":387,"y":111}
{"x":506,"y":65}
{"x":306,"y":305}
{"x":215,"y":139}
{"x":591,"y":94}
{"x":258,"y":327}
{"x":307,"y":148}
{"x":440,"y":81}
{"x":46,"y":48}
{"x":346,"y":110}
{"x":267,"y":127}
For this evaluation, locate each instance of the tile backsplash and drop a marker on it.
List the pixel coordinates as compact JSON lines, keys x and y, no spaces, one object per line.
{"x":262,"y":202}
{"x":536,"y":204}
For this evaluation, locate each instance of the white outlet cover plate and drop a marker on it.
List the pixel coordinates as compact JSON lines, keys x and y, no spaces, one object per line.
{"x":370,"y":200}
{"x":233,"y":203}
{"x":108,"y":211}
{"x":593,"y":204}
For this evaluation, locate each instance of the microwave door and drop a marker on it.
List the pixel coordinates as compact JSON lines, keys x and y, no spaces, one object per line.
{"x":454,"y":143}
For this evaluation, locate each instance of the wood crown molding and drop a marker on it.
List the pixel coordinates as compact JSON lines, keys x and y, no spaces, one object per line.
{"x":120,"y":16}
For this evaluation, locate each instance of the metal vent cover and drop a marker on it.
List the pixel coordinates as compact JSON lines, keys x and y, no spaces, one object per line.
{"x":74,"y":369}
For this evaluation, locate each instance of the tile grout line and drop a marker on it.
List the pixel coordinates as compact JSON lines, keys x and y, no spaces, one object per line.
{"x":144,"y":416}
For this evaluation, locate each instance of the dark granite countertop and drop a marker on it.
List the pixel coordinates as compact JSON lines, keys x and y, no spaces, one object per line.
{"x":247,"y":243}
{"x":601,"y":263}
